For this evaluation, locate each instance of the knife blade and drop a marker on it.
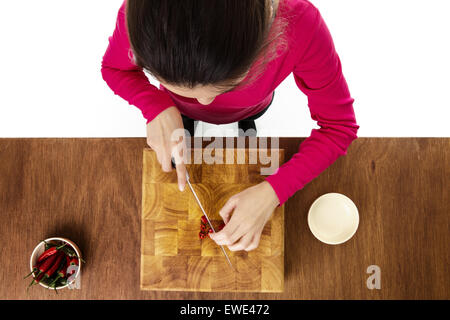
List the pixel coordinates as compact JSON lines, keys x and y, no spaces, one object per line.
{"x":204,"y":212}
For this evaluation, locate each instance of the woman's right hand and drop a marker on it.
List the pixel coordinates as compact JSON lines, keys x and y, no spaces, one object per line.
{"x":160,"y":139}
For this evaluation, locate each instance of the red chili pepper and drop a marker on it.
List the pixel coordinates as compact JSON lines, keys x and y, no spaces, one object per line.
{"x":61,"y":272}
{"x":204,"y":220}
{"x":35,"y":269}
{"x":73,"y":262}
{"x":37,"y":279}
{"x":44,"y":266}
{"x":55,"y":265}
{"x":47,"y":253}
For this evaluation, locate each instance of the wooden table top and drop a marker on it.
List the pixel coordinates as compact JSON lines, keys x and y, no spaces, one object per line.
{"x":89,"y":190}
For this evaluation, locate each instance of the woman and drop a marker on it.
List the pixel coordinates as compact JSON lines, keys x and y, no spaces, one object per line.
{"x":220,"y":62}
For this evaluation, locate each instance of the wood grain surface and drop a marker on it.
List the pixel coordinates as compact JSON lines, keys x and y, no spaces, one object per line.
{"x":90,"y":191}
{"x":173,"y":256}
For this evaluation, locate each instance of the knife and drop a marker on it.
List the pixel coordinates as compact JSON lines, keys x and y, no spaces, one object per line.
{"x":204,"y":212}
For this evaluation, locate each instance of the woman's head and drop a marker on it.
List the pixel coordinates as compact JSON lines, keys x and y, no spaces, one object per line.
{"x":199,"y":48}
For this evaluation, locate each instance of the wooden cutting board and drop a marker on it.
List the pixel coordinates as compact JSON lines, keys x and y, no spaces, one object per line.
{"x":172,"y":255}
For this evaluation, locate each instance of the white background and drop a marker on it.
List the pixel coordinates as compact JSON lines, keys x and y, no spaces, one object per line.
{"x":395,"y":56}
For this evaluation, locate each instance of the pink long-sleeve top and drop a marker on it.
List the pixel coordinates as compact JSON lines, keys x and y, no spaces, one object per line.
{"x":315,"y":64}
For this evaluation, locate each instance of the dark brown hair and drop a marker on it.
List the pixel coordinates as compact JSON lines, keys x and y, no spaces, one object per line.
{"x":201,"y":42}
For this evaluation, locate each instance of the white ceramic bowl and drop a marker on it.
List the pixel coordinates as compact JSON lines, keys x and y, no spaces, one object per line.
{"x":333,"y":218}
{"x":40,"y":248}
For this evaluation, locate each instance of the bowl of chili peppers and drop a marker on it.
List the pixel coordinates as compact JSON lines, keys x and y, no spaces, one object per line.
{"x":55,"y":263}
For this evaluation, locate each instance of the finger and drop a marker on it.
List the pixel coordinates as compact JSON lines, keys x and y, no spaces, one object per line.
{"x":239,"y":231}
{"x":242,"y":243}
{"x":255,"y":241}
{"x":226,"y":236}
{"x":227,"y":209}
{"x":181,"y":174}
{"x":166,"y":162}
{"x":178,"y":154}
{"x":178,"y":145}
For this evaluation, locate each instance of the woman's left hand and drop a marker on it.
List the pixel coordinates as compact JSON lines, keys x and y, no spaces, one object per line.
{"x":251,"y":209}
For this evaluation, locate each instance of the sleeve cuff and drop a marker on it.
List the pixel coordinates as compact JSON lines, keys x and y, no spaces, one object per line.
{"x":278,"y":185}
